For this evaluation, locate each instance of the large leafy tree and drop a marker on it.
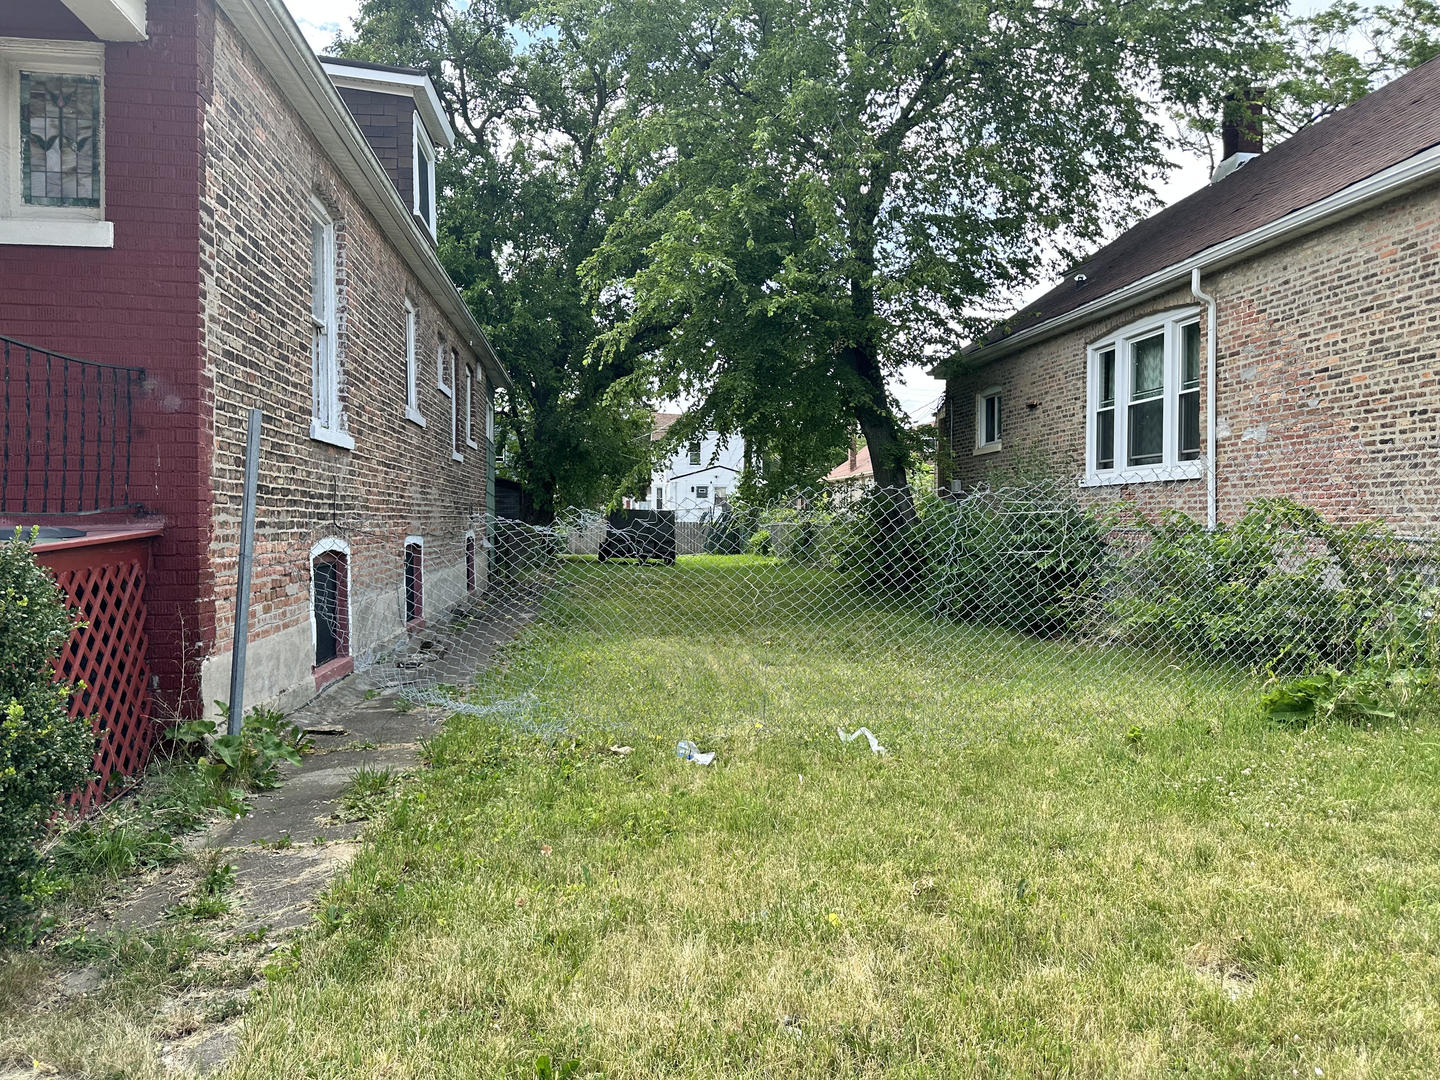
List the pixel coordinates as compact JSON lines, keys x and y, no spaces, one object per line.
{"x":529,"y":193}
{"x":827,"y":190}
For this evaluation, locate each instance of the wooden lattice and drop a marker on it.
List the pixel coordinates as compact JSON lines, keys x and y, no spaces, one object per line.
{"x":105,"y":659}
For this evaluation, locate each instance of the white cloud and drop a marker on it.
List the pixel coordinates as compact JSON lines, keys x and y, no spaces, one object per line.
{"x":322,"y":20}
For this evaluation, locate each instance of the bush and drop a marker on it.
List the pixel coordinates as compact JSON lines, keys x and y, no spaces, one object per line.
{"x":44,"y":753}
{"x":1281,"y":589}
{"x":761,"y":543}
{"x":1025,"y":558}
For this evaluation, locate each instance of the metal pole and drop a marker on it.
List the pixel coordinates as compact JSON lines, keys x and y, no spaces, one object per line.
{"x":242,"y":586}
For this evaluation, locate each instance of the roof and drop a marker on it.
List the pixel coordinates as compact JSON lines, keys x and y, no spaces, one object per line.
{"x":1389,"y":126}
{"x":268,"y":28}
{"x":662,"y":425}
{"x":391,"y":79}
{"x":846,"y":471}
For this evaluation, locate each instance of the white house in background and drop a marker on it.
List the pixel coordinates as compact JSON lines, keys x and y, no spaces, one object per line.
{"x":697,"y":480}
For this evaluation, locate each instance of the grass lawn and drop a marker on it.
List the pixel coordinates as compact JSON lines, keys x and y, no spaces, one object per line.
{"x":1068,"y":864}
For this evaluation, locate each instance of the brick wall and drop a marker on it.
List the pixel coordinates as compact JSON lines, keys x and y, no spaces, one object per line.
{"x":138,"y":305}
{"x":1329,"y":349}
{"x":400,"y":480}
{"x":387,"y":120}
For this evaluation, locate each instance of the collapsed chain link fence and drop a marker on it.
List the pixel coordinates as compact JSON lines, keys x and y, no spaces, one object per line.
{"x":1019,"y":601}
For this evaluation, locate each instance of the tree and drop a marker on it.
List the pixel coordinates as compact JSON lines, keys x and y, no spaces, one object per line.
{"x":1310,"y":66}
{"x":529,"y":192}
{"x":826,"y":190}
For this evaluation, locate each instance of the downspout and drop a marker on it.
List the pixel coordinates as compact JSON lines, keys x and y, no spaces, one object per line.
{"x":1211,"y":482}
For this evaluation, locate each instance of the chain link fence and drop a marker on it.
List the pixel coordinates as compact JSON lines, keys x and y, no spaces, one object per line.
{"x":1023,"y":598}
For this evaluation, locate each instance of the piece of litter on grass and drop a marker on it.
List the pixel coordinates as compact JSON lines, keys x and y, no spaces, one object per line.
{"x":875,"y":747}
{"x":622,"y":751}
{"x":686,"y":750}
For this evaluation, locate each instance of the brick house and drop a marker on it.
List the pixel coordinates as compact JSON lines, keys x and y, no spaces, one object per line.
{"x":1310,"y":273}
{"x":207,"y":218}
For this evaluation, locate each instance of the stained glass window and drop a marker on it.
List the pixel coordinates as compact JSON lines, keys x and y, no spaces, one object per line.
{"x":60,"y":128}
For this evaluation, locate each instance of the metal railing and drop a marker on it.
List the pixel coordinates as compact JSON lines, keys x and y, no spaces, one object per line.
{"x":66,"y":430}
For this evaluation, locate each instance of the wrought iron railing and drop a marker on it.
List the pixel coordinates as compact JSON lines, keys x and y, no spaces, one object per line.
{"x":66,"y":428}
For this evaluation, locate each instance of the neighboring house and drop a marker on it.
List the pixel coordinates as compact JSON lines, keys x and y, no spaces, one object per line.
{"x":853,"y":477}
{"x":207,"y":218}
{"x":1276,"y":333}
{"x":697,"y":480}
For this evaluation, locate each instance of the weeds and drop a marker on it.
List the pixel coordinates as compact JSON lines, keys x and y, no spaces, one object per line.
{"x":366,"y":792}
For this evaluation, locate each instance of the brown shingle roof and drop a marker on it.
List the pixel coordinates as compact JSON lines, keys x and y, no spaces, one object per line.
{"x":663,"y":420}
{"x":1396,"y":122}
{"x":845,"y":471}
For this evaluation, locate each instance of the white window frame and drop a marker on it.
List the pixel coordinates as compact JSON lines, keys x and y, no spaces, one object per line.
{"x":47,"y":226}
{"x":489,"y":418}
{"x":455,"y":454}
{"x":442,"y":358}
{"x":694,"y":451}
{"x":330,"y":543}
{"x":982,"y":446}
{"x":423,"y":148}
{"x":327,"y":416}
{"x":1171,"y":324}
{"x":470,"y":407}
{"x":412,"y":367}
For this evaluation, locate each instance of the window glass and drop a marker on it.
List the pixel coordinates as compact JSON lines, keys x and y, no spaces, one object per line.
{"x":1107,"y":377}
{"x":60,"y":124}
{"x":1105,"y":417}
{"x":702,"y":492}
{"x":991,"y":432}
{"x":695,"y":452}
{"x":1147,"y":377}
{"x":1189,"y":433}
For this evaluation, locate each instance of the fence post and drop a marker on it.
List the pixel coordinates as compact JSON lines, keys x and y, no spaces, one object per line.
{"x":242,"y":585}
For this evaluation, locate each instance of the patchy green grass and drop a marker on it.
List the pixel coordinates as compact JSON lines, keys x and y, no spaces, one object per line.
{"x":1070,"y":863}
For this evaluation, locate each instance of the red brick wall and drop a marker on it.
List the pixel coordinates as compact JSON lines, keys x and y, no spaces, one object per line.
{"x":138,"y":304}
{"x":400,"y":479}
{"x":1328,"y":378}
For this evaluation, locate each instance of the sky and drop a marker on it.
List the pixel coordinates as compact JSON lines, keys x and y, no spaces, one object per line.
{"x":917,"y":392}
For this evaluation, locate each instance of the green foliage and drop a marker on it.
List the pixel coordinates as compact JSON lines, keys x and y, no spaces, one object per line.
{"x":1027,"y":558}
{"x":761,"y":542}
{"x":43,"y":752}
{"x":1280,"y":589}
{"x":367,"y":790}
{"x":208,"y":899}
{"x":247,"y":761}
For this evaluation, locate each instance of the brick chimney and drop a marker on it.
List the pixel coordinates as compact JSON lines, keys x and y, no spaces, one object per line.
{"x":1242,"y":131}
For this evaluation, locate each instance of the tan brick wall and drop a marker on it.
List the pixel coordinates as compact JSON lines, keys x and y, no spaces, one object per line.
{"x":400,"y":480}
{"x":1327,"y":378}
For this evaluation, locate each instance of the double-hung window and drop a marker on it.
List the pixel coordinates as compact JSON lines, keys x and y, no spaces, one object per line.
{"x":987,"y":421}
{"x":695,"y":452}
{"x":327,"y":421}
{"x":453,"y":372}
{"x":470,"y":407}
{"x":1143,"y":415}
{"x":412,"y":372}
{"x":52,"y":143}
{"x":423,"y":175}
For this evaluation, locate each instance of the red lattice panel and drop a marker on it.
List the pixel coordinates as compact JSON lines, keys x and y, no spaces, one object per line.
{"x":105,"y":659}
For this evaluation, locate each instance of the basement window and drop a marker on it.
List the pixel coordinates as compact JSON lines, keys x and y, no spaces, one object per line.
{"x":470,"y":562}
{"x":330,"y":608}
{"x":414,"y":583}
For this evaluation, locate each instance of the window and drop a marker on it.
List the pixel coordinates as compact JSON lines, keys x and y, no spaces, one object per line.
{"x":470,"y":407}
{"x":329,"y":603}
{"x":414,"y":582}
{"x":442,"y":360}
{"x":489,"y":422}
{"x":412,"y":374}
{"x":327,"y":422}
{"x":702,"y":491}
{"x":695,"y":452}
{"x":52,"y":143}
{"x":470,"y":562}
{"x":455,"y":454}
{"x":424,"y":176}
{"x":1144,"y":394}
{"x":987,"y":421}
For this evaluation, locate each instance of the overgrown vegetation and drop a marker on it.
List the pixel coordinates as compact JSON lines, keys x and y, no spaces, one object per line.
{"x":246,"y":761}
{"x":44,"y":753}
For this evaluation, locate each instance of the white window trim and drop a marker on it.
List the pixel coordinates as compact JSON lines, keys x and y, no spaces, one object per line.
{"x":442,"y":358}
{"x":470,"y":407}
{"x":47,"y":226}
{"x":489,"y":421}
{"x":981,"y":446}
{"x":1171,"y":468}
{"x":330,"y":543}
{"x":423,"y":145}
{"x":330,"y":430}
{"x":455,"y":454}
{"x":412,"y":367}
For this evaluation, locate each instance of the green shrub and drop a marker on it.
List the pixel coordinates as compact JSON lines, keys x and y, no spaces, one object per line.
{"x":1026,"y":558}
{"x":43,"y":752}
{"x":1281,"y":589}
{"x":761,"y":543}
{"x":248,"y":761}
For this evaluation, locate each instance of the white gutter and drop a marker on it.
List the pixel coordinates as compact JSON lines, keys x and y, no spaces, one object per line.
{"x":1413,"y":172}
{"x":268,"y":29}
{"x":1212,"y":483}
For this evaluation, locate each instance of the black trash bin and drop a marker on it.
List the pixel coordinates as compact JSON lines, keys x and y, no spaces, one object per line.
{"x":639,"y":534}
